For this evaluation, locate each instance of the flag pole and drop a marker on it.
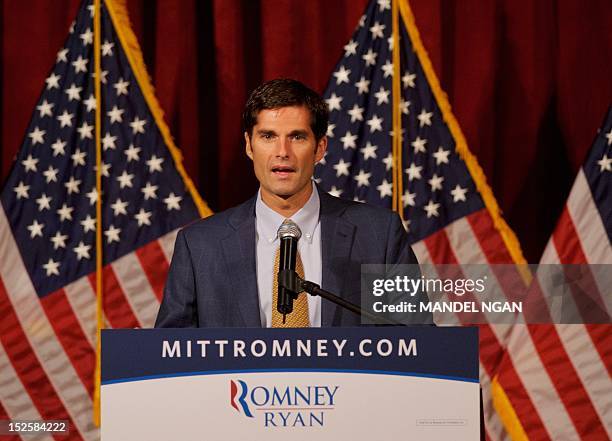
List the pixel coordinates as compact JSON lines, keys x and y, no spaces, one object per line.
{"x":99,"y":244}
{"x":397,"y":116}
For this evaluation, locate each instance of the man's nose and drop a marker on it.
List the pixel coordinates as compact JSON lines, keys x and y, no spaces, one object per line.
{"x":284,"y":147}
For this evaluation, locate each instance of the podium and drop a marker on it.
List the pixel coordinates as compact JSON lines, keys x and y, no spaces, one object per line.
{"x":398,"y":383}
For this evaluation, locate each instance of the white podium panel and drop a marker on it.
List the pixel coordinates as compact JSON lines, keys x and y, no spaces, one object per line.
{"x":323,"y":384}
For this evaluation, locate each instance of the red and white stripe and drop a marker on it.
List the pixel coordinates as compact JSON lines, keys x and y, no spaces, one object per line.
{"x":587,"y":224}
{"x":474,"y":240}
{"x":566,"y":369}
{"x":166,"y":243}
{"x":47,"y":344}
{"x":133,"y":282}
{"x":14,"y":398}
{"x":82,"y":299}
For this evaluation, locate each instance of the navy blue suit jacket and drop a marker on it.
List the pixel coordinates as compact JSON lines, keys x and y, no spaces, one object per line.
{"x":213,"y":282}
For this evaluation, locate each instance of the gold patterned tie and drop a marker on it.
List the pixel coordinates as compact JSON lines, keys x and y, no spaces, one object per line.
{"x":299,"y":317}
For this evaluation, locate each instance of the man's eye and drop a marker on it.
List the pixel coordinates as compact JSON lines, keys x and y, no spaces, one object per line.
{"x":299,"y":137}
{"x":266,"y":136}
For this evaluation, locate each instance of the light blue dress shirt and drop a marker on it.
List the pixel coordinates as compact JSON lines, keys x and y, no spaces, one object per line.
{"x":309,"y":247}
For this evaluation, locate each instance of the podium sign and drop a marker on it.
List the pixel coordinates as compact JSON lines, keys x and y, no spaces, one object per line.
{"x":299,"y":384}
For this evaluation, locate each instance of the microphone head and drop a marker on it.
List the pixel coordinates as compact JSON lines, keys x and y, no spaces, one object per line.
{"x":289,"y":229}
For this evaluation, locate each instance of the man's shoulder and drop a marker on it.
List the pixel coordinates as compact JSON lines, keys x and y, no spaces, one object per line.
{"x":216,"y":225}
{"x":358,"y":211}
{"x":362,"y":209}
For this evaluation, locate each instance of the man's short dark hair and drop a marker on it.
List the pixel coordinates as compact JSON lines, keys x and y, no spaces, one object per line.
{"x":285,"y":92}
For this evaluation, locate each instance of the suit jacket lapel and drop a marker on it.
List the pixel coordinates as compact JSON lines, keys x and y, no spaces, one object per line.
{"x":239,"y":254}
{"x":337,"y":235}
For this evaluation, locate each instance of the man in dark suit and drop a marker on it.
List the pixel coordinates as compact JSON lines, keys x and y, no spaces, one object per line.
{"x":223,"y":268}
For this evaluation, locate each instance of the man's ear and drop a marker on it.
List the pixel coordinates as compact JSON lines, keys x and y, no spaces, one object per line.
{"x":321,"y":149}
{"x":247,"y":145}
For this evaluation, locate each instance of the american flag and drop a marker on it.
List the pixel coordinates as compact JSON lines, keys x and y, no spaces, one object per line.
{"x":48,"y":223}
{"x":557,"y":377}
{"x":449,"y":211}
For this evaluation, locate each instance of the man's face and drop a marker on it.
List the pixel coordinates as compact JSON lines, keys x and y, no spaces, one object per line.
{"x":284,"y":151}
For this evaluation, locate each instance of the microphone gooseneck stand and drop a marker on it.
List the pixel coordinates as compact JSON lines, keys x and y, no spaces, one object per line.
{"x":294,"y":284}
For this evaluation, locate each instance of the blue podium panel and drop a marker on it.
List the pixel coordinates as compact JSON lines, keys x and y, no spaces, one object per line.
{"x":316,"y":383}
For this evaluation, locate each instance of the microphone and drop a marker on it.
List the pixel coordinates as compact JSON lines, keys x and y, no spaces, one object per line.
{"x":289,"y":234}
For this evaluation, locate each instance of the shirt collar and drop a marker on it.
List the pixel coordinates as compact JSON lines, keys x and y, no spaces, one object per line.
{"x":307,"y":217}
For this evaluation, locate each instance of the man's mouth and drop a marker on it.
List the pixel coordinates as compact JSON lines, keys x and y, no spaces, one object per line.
{"x":282,"y":171}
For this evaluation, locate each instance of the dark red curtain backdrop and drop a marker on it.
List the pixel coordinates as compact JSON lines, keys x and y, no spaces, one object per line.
{"x":529,"y":81}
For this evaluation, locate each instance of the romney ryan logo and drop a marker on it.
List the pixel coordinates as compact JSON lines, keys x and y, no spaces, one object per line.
{"x":284,"y":406}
